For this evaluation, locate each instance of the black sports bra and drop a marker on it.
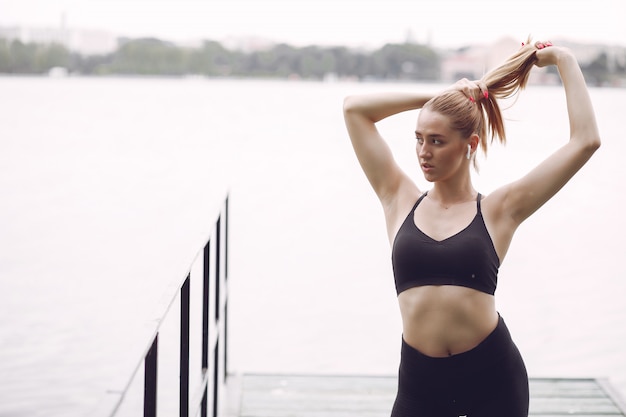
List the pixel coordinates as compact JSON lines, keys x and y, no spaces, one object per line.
{"x":467,"y":258}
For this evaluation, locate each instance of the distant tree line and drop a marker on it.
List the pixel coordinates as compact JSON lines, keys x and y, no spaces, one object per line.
{"x":156,"y":57}
{"x":407,"y":61}
{"x":30,"y":58}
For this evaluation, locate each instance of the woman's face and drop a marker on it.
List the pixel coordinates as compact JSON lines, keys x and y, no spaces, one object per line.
{"x":441,"y":151}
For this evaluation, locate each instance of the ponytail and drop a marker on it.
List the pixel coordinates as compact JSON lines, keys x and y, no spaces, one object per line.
{"x":504,"y":82}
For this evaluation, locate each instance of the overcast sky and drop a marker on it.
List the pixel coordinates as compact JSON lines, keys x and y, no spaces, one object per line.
{"x":333,"y":22}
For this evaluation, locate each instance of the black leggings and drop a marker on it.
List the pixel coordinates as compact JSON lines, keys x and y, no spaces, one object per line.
{"x":487,"y":381}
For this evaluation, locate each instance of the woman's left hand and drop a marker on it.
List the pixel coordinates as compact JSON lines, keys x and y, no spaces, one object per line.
{"x":548,"y":54}
{"x":474,"y":90}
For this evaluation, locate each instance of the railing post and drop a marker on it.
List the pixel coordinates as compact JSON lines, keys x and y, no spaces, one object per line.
{"x":204,"y":408}
{"x":205,"y":304}
{"x":226,"y":247}
{"x":217,"y":308}
{"x":216,"y":379}
{"x":184,"y":348}
{"x":225,"y":341}
{"x":218,"y":264}
{"x":150,"y":380}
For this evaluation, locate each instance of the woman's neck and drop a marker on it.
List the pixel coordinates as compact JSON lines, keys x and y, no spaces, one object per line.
{"x":449,"y":194}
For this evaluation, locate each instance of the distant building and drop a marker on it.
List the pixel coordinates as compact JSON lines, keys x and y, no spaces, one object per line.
{"x":467,"y":63}
{"x":474,"y":61}
{"x":83,"y":41}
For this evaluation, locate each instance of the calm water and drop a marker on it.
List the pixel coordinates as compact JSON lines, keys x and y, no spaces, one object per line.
{"x":108,"y":188}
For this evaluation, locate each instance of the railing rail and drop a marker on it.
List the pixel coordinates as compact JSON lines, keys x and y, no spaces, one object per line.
{"x":203,"y":292}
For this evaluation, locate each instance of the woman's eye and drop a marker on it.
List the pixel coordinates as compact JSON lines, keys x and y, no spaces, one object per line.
{"x":420,"y":141}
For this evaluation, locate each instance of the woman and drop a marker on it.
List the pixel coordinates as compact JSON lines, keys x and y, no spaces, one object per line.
{"x":457,"y":357}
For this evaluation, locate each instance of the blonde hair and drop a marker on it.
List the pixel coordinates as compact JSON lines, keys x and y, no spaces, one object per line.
{"x":484,"y":116}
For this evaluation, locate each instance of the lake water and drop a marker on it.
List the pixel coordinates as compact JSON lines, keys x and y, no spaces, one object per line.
{"x":108,"y":188}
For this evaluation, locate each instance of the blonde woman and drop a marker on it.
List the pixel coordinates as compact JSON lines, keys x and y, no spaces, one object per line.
{"x":457,"y":356}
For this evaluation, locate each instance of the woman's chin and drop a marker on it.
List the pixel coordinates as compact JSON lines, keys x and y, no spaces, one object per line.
{"x":428,"y":177}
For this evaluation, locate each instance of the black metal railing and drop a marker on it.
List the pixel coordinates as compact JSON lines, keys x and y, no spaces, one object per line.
{"x":202,"y":343}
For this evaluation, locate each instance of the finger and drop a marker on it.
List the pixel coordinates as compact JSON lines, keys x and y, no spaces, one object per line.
{"x":541,"y":45}
{"x":464,"y":86}
{"x":483,"y":89}
{"x":466,"y":91}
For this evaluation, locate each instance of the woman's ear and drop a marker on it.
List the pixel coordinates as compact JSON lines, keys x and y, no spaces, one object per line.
{"x":474,"y":141}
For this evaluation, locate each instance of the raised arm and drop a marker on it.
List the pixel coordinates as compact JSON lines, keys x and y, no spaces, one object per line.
{"x":523,"y":197}
{"x":361,"y":113}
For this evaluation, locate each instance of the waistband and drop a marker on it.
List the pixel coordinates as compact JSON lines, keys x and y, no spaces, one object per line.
{"x":496,"y":346}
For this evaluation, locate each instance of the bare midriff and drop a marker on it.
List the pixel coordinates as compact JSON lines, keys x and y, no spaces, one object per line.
{"x":446,"y":320}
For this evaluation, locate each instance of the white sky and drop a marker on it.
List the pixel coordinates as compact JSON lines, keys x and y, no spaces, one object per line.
{"x":334,"y":22}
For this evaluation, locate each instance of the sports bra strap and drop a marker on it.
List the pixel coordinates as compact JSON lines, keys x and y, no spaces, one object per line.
{"x":419,"y":200}
{"x":478,"y":198}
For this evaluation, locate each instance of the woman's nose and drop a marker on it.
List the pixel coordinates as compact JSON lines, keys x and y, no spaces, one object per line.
{"x":422,"y":151}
